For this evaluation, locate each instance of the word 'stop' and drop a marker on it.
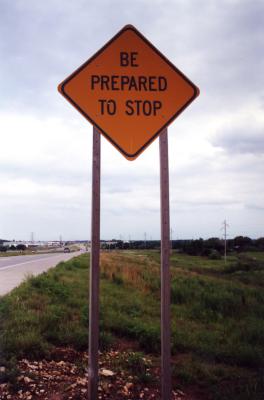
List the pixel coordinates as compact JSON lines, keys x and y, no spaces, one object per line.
{"x":129,"y":91}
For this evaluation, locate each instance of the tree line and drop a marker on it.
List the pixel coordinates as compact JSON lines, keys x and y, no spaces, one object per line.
{"x":20,"y":247}
{"x":211,"y":247}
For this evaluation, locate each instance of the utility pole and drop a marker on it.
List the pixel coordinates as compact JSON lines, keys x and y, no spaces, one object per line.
{"x":32,"y":237}
{"x":145,"y":239}
{"x":225,"y":225}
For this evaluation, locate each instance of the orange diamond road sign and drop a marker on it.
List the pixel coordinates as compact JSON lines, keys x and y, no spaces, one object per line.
{"x":129,"y":91}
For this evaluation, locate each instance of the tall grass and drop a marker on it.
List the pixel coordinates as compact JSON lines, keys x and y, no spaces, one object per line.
{"x":217,"y":320}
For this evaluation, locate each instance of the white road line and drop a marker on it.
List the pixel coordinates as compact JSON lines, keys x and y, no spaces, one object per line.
{"x":27,"y":262}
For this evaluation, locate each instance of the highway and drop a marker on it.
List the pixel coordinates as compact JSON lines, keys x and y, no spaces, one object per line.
{"x":13,"y":270}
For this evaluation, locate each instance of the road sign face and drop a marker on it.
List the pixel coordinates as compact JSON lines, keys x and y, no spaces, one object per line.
{"x":129,"y":91}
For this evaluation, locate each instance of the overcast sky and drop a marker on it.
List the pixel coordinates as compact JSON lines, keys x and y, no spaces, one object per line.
{"x":216,"y":145}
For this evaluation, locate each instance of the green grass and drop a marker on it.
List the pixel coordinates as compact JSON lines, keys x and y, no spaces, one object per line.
{"x":217,"y":316}
{"x":135,"y":363}
{"x":15,"y":253}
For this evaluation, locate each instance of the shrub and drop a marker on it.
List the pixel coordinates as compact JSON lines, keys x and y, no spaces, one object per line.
{"x":214,"y":255}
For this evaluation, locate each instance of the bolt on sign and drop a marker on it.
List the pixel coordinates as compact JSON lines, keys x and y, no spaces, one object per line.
{"x":129,"y":91}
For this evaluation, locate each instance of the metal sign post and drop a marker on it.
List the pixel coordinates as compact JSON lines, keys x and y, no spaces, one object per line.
{"x":94,"y":269}
{"x":165,"y":268}
{"x":130,"y":92}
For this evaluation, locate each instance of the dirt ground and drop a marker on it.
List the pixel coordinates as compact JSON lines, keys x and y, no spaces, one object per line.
{"x":64,"y":376}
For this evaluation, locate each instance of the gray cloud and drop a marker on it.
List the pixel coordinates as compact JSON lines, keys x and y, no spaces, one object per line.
{"x":255,"y":207}
{"x":43,"y":43}
{"x":221,"y":48}
{"x":38,"y":173}
{"x":219,"y":45}
{"x":243,"y":140}
{"x":205,"y":203}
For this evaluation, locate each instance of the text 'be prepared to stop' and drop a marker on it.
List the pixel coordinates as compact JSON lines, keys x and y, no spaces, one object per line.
{"x":129,"y":83}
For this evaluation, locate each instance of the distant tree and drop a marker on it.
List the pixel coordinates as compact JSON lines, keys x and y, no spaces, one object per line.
{"x":230,"y":244}
{"x":3,"y":248}
{"x":21,"y":247}
{"x":119,"y":244}
{"x":260,"y":243}
{"x":242,"y":243}
{"x":194,"y":247}
{"x":212,"y":244}
{"x":214,"y":255}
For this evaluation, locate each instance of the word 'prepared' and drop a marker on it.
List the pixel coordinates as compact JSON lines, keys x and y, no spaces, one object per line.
{"x":129,"y":83}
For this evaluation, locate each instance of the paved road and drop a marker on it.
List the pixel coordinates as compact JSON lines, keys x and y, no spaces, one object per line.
{"x":13,"y":270}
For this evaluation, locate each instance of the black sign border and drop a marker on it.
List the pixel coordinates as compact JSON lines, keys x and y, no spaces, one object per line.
{"x":62,"y":90}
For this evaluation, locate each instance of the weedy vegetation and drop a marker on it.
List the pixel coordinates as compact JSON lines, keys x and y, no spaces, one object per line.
{"x":217,"y":317}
